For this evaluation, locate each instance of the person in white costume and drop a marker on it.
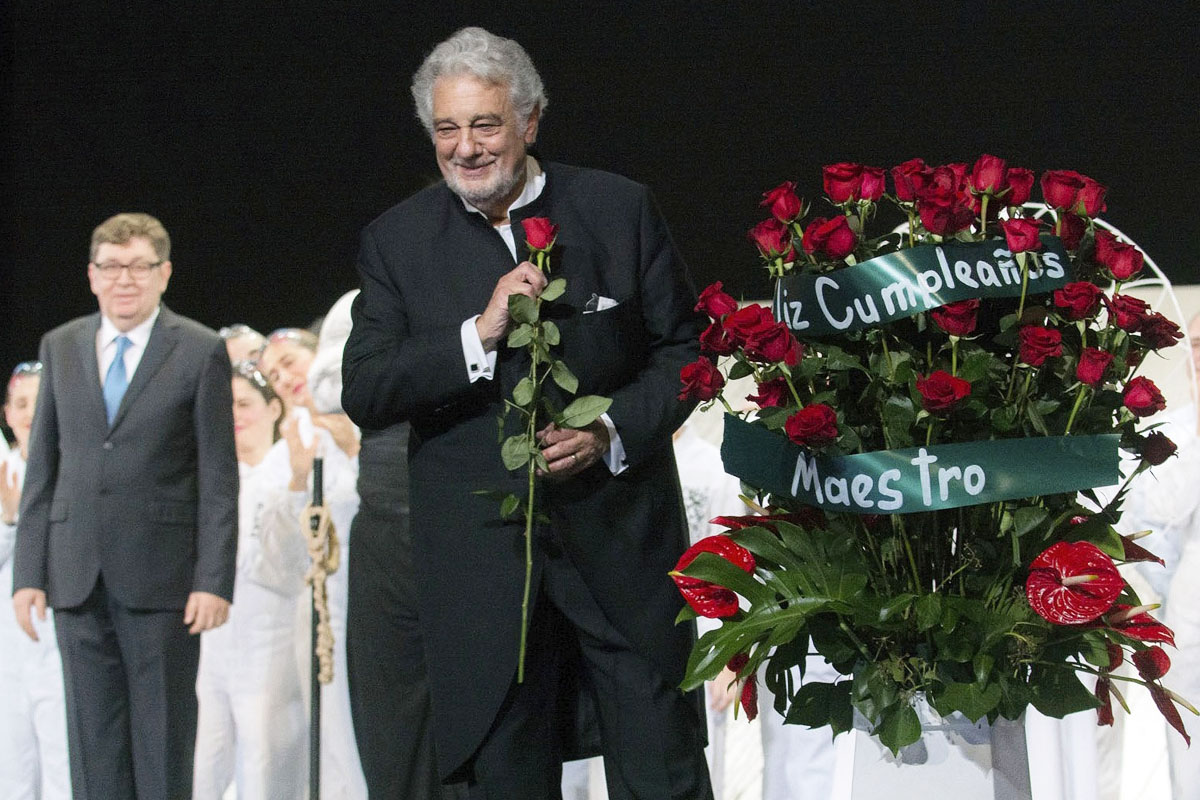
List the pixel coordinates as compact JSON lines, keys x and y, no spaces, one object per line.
{"x":286,"y":362}
{"x":251,"y":727}
{"x":33,"y":715}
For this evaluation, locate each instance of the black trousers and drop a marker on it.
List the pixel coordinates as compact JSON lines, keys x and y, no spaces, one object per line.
{"x":389,"y":691}
{"x":651,"y":734}
{"x":130,"y":680}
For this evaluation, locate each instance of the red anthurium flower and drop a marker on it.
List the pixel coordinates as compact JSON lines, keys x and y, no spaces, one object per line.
{"x":749,"y":696}
{"x":940,"y":391}
{"x":771,"y":394}
{"x":1136,"y":623}
{"x":540,"y":233}
{"x":1072,"y":582}
{"x":1104,"y":714}
{"x":707,"y":598}
{"x":1142,"y":397}
{"x":1135,"y":552}
{"x":1021,"y":234}
{"x":812,"y":426}
{"x":1078,"y":300}
{"x":1152,"y":663}
{"x":957,"y":319}
{"x":783,"y":201}
{"x":773,"y":239}
{"x":1020,"y":184}
{"x":1116,"y":655}
{"x":1163,"y":700}
{"x":809,"y":517}
{"x":701,"y":380}
{"x":715,"y":302}
{"x":1039,"y":343}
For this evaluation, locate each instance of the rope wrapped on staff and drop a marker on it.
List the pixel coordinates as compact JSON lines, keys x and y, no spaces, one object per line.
{"x":317,"y":527}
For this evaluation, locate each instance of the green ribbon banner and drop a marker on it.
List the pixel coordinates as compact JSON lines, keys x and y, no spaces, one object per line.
{"x":901,"y":284}
{"x":919,"y":478}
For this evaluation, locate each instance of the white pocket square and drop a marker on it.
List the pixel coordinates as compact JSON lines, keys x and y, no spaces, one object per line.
{"x":598,"y":303}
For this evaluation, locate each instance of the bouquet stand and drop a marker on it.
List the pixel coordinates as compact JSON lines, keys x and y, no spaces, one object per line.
{"x":954,"y":758}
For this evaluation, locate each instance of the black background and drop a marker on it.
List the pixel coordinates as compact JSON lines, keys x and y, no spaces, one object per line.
{"x":265,"y":136}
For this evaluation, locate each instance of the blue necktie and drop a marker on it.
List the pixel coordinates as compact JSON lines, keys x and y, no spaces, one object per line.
{"x":116,"y":381}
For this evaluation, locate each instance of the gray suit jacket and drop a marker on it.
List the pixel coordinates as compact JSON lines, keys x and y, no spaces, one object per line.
{"x":148,"y":503}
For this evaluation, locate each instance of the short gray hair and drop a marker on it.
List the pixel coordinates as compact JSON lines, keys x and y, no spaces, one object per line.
{"x":491,"y":58}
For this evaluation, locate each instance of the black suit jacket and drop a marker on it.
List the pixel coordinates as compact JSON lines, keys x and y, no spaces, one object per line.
{"x":150,"y":502}
{"x":426,"y":266}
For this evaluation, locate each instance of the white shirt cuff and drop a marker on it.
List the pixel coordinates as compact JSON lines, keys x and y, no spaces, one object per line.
{"x":480,"y":365}
{"x":614,"y":459}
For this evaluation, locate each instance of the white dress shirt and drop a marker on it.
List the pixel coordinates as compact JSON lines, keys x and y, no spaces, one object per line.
{"x":106,"y":344}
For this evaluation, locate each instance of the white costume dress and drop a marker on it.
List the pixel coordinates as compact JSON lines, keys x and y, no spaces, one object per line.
{"x":33,"y":714}
{"x":252,"y":727}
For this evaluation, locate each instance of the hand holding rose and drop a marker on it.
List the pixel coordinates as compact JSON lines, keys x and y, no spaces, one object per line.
{"x":570,"y":451}
{"x":493,"y":324}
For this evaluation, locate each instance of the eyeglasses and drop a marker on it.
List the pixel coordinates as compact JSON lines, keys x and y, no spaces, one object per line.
{"x":110,"y":270}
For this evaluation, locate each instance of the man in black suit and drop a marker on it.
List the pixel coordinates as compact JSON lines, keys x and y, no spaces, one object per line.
{"x":428,"y":346}
{"x":128,"y":521}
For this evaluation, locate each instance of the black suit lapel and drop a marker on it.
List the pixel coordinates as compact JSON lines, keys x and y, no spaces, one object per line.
{"x":90,"y":369}
{"x":163,"y":337}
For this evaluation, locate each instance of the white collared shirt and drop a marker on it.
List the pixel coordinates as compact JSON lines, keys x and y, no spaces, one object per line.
{"x":106,"y":344}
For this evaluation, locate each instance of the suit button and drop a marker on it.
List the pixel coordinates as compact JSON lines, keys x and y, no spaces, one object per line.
{"x":108,"y":445}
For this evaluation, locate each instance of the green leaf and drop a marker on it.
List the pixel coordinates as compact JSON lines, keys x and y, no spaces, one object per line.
{"x":515,"y":451}
{"x":523,"y":391}
{"x":551,"y":333}
{"x":583,"y":411}
{"x":521,"y":336}
{"x":564,"y":377}
{"x":971,"y":699}
{"x":509,"y":505}
{"x":522,"y":309}
{"x":715,"y":569}
{"x":686,"y":614}
{"x":1057,"y":691}
{"x":1028,"y":518}
{"x":929,"y":611}
{"x":820,"y":704}
{"x":900,"y":726}
{"x":740,"y":369}
{"x":554,"y":289}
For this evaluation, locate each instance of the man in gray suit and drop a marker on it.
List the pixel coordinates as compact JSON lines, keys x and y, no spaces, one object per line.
{"x":128,"y":522}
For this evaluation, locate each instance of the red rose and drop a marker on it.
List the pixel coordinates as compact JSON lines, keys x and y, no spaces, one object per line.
{"x":989,"y":175}
{"x":957,"y":319}
{"x":1092,"y":365}
{"x":773,"y":343}
{"x":833,"y":237}
{"x":1060,"y":188}
{"x":812,"y":426}
{"x":944,"y":211}
{"x":540,"y":233}
{"x":716,"y":340}
{"x":1020,"y":186}
{"x":1071,"y":229}
{"x":1090,"y":201}
{"x":785,"y":205}
{"x":1142,"y":397}
{"x":1072,"y":582}
{"x":950,"y":176}
{"x":1021,"y":234}
{"x":1039,"y":343}
{"x":1127,"y":312}
{"x":1152,"y":663}
{"x":842,"y":181}
{"x":1157,"y":448}
{"x":873,"y":184}
{"x":701,"y":380}
{"x":707,"y":598}
{"x":715,"y":302}
{"x":773,"y":239}
{"x":940,"y":391}
{"x":741,"y":324}
{"x":1079,"y":300}
{"x":1122,"y":260}
{"x":910,"y":178}
{"x":771,"y":394}
{"x":1159,"y":332}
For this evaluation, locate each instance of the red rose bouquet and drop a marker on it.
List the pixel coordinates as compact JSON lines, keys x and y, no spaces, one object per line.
{"x":934,"y":408}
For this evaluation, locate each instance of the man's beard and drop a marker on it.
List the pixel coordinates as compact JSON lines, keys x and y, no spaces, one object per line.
{"x":490,"y":193}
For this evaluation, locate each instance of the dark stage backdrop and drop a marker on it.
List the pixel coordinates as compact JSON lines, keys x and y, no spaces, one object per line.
{"x":265,"y":135}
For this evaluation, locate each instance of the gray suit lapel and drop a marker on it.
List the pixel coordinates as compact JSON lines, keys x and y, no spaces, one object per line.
{"x":163,"y":338}
{"x":86,"y":353}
